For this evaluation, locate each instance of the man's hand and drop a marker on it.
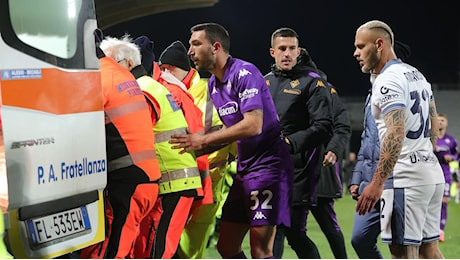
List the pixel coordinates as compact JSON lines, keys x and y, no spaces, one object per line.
{"x":354,"y":191}
{"x":187,"y":142}
{"x":369,"y":197}
{"x":329,"y":159}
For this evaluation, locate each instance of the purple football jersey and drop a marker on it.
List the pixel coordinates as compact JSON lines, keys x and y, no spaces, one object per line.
{"x":444,"y":146}
{"x":243,"y":89}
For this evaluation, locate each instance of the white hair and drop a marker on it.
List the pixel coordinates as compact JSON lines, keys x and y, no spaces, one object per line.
{"x":120,"y":49}
{"x":382,"y":27}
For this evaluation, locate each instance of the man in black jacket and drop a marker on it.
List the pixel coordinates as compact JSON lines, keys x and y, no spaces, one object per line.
{"x":329,"y":181}
{"x":303,"y":103}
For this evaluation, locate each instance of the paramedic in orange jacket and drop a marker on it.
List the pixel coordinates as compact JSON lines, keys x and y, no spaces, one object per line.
{"x":133,"y":169}
{"x":201,"y":223}
{"x":193,"y":115}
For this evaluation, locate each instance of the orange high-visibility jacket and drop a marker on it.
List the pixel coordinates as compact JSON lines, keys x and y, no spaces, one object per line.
{"x":125,"y":111}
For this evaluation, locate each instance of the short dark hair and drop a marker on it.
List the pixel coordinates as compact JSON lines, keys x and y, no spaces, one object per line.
{"x":283,"y":32}
{"x":214,"y":33}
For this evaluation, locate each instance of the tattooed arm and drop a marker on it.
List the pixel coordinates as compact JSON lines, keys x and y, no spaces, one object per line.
{"x":390,"y":149}
{"x":434,"y":131}
{"x":391,"y":146}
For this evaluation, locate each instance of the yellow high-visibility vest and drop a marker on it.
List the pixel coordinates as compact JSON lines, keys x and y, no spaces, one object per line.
{"x":178,"y":171}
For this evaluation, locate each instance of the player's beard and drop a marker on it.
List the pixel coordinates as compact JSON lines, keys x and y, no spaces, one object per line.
{"x":206,"y":63}
{"x":372,"y":62}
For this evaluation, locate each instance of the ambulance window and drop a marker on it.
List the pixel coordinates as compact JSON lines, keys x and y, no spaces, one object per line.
{"x":45,"y":25}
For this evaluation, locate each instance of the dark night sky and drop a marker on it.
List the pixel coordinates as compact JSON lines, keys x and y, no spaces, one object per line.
{"x":326,"y":28}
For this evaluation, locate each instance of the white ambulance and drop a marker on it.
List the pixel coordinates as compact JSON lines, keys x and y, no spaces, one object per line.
{"x":53,"y":164}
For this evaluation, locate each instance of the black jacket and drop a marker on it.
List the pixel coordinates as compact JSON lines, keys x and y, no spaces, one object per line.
{"x":304,"y":107}
{"x":330,"y":178}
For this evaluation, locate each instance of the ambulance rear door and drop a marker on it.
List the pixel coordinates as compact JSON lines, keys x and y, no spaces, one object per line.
{"x":53,"y":127}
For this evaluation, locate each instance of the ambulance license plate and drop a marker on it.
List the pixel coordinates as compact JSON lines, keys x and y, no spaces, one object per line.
{"x":48,"y":228}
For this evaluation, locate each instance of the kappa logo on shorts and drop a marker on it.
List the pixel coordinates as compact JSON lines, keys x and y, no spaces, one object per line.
{"x":259,"y":215}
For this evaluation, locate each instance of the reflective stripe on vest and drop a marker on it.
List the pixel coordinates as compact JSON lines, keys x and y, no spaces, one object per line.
{"x":165,"y":136}
{"x":183,"y":179}
{"x":179,"y":174}
{"x":123,"y":110}
{"x":198,"y":89}
{"x":130,"y":159}
{"x":178,"y":171}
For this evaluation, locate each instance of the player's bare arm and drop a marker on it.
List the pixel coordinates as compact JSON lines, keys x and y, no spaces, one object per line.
{"x":434,"y":131}
{"x":390,"y":150}
{"x":250,"y":125}
{"x":391,"y":146}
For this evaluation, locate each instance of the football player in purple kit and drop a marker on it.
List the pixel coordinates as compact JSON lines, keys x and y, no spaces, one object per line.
{"x":446,"y":151}
{"x":260,"y":196}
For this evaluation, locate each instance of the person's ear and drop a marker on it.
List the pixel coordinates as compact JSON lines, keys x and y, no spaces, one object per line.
{"x":130,"y":64}
{"x":379,"y":44}
{"x":216,"y":46}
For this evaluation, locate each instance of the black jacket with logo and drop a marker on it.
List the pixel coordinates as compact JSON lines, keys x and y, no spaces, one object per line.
{"x":304,"y":107}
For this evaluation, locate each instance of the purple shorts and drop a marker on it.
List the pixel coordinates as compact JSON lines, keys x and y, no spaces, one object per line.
{"x":260,"y":198}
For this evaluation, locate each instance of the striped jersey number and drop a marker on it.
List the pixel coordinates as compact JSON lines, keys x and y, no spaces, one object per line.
{"x":59,"y":225}
{"x":268,"y":195}
{"x":417,"y":109}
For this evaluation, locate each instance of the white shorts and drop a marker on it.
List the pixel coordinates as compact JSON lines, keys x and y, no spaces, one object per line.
{"x":412,"y":215}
